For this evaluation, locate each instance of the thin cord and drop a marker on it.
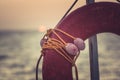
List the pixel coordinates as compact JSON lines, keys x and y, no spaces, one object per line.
{"x":76,"y":72}
{"x":65,"y":33}
{"x":58,"y":46}
{"x":59,"y":37}
{"x":37,"y":66}
{"x":68,"y":11}
{"x":118,"y":1}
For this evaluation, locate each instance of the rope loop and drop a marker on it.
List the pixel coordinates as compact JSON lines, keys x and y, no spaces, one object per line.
{"x":59,"y":46}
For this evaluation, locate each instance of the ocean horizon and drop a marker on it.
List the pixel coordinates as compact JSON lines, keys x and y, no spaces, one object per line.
{"x":20,"y":50}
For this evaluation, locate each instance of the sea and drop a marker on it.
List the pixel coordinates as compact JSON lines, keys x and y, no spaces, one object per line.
{"x":20,"y":50}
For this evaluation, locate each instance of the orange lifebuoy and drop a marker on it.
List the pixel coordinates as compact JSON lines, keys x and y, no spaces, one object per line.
{"x":83,"y":23}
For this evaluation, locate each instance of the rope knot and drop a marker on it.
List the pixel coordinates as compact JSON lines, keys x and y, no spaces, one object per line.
{"x":61,"y":47}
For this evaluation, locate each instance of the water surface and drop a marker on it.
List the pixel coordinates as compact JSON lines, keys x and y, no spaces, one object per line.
{"x":19,"y":52}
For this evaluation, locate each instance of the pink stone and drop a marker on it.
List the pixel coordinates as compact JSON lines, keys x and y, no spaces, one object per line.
{"x":71,"y":49}
{"x":79,"y":43}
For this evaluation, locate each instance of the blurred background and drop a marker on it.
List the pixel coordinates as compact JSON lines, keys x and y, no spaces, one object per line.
{"x":22,"y":25}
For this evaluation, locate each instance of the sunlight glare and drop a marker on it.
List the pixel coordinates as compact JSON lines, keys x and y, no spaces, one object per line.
{"x":42,"y":28}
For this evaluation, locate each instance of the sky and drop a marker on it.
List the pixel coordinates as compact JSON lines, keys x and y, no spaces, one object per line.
{"x":32,"y":14}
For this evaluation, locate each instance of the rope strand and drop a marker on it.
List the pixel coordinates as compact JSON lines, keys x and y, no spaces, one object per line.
{"x":58,"y":46}
{"x":37,"y":66}
{"x":65,"y":33}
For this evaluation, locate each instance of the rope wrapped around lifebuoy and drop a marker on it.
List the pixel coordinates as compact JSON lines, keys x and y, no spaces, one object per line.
{"x":82,"y":23}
